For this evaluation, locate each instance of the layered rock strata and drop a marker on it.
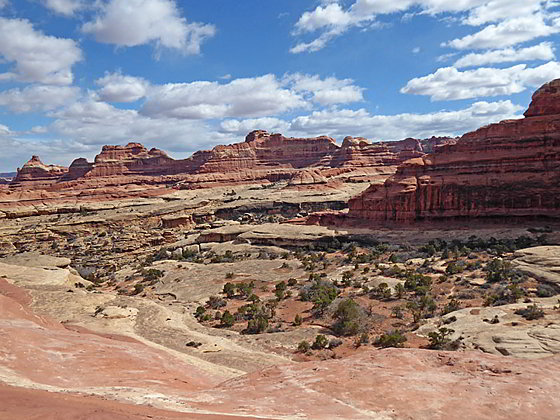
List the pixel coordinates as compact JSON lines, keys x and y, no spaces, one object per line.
{"x":40,"y":174}
{"x":133,"y":170}
{"x":503,"y":170}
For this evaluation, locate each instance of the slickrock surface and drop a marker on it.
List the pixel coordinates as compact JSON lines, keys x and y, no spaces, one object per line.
{"x":542,"y":262}
{"x":503,"y":170}
{"x":40,"y":355}
{"x":399,"y":384}
{"x":511,"y":336}
{"x":24,"y":404}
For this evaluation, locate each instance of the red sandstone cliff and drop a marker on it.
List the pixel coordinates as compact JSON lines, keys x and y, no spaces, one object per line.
{"x":262,"y":156}
{"x":507,"y":169}
{"x":41,"y":174}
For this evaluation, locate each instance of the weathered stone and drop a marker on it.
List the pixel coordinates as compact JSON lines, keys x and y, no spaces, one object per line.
{"x":542,"y":263}
{"x":509,"y":169}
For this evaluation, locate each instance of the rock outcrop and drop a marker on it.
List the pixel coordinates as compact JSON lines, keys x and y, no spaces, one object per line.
{"x":541,"y":262}
{"x":509,"y":169}
{"x":36,"y":171}
{"x":133,"y":171}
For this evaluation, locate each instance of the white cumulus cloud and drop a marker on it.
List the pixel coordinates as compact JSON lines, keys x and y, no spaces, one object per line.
{"x":38,"y":98}
{"x":64,"y":7}
{"x":130,"y":23}
{"x":520,"y":22}
{"x":245,"y":97}
{"x":327,"y":91}
{"x":543,"y":51}
{"x":38,"y":57}
{"x":243,"y":127}
{"x":507,"y":33}
{"x":343,"y":122}
{"x":116,"y":87}
{"x":448,"y":83}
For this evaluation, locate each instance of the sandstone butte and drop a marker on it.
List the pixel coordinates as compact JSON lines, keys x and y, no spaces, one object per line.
{"x":262,"y":157}
{"x":503,"y":170}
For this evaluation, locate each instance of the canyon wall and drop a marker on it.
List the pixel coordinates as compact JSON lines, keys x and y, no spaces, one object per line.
{"x":507,"y":169}
{"x":262,"y":156}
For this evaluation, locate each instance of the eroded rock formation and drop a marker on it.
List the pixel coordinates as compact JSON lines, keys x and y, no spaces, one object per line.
{"x":132,"y":170}
{"x":504,"y":170}
{"x":36,"y":171}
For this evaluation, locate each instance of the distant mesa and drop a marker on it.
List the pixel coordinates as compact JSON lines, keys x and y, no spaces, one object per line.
{"x":261,"y":157}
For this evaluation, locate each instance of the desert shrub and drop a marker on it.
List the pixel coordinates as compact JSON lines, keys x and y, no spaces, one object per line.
{"x":465,"y":295}
{"x":189,"y":254}
{"x":292,"y":282}
{"x":350,"y":318}
{"x":227,"y":319}
{"x":504,"y":295}
{"x":280,"y":294}
{"x":229,"y":289}
{"x":200,"y":310}
{"x":438,"y":339}
{"x":216,"y":302}
{"x":298,"y":320}
{"x":281,"y":286}
{"x":545,"y":290}
{"x":397,"y":312}
{"x":429,"y":249}
{"x":227,"y":257}
{"x":245,"y":289}
{"x":498,"y":270}
{"x":321,"y":342}
{"x":303,"y":347}
{"x":364,"y":338}
{"x":347,"y":278}
{"x":159,"y":255}
{"x":229,"y":275}
{"x":257,"y":325}
{"x":321,"y":293}
{"x":254,"y":298}
{"x":423,"y":307}
{"x":455,"y":267}
{"x":152,"y":274}
{"x":138,"y":288}
{"x":399,"y":290}
{"x":451,"y":306}
{"x":391,"y":339}
{"x":416,"y":282}
{"x":382,"y":291}
{"x":531,"y":312}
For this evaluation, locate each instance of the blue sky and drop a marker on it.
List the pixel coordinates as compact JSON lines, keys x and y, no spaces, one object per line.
{"x":184,"y":75}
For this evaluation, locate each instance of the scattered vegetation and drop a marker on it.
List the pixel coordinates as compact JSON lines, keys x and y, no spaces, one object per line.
{"x":440,"y":338}
{"x":391,"y":339}
{"x":531,"y":312}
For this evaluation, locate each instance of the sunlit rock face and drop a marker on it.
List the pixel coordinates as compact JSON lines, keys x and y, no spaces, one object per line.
{"x":507,"y":169}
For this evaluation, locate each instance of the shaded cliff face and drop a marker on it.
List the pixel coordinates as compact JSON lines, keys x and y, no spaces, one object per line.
{"x":507,"y":169}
